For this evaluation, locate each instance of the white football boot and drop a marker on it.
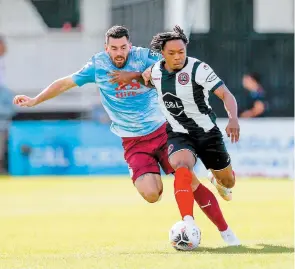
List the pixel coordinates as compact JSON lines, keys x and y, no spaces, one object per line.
{"x":230,"y":238}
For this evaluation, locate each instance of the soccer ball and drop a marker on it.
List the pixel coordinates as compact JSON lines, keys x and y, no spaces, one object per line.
{"x":184,"y":236}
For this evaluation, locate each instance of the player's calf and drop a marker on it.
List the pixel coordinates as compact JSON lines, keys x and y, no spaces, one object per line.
{"x":195,"y":181}
{"x":183,"y":162}
{"x":225,"y":177}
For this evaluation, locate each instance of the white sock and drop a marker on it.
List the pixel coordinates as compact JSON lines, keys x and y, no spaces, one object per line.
{"x":188,"y":218}
{"x":226,"y":231}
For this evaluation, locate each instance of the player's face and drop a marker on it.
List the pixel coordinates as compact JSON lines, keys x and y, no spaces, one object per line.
{"x":174,"y":53}
{"x":118,"y":49}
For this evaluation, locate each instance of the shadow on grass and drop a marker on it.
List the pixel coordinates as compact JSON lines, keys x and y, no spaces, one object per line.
{"x":259,"y":249}
{"x":255,"y":249}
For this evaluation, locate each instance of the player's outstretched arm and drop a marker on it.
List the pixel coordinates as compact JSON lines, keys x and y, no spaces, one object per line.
{"x":230,"y":104}
{"x":83,"y":76}
{"x":56,"y":88}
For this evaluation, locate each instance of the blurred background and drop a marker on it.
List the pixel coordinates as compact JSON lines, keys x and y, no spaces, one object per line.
{"x":249,"y":44}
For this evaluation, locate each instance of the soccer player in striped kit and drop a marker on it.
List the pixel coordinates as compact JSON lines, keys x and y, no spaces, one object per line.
{"x":183,"y":85}
{"x":135,"y":115}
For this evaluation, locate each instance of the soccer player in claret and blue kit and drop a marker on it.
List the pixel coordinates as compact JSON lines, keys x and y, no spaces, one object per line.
{"x":136,"y":117}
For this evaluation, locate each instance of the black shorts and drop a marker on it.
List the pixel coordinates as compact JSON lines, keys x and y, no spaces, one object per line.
{"x":209,"y":147}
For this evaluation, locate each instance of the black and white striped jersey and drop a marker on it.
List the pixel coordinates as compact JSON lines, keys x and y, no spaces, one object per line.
{"x":183,"y":95}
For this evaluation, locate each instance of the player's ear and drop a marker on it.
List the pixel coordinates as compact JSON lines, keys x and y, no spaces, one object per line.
{"x":130,"y":45}
{"x":105,"y":46}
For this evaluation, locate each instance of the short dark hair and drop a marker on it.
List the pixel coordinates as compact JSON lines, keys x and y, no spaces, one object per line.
{"x":117,"y":31}
{"x":159,"y":41}
{"x":256,"y":76}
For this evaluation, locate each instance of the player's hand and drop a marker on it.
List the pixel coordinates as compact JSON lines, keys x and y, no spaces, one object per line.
{"x":123,"y":78}
{"x":24,"y":101}
{"x":146,"y":75}
{"x":233,"y":130}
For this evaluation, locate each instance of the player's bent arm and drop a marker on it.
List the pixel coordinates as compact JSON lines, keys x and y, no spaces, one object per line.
{"x":56,"y":88}
{"x":230,"y":103}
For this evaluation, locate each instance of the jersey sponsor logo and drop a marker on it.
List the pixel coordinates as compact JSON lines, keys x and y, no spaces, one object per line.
{"x":154,"y":55}
{"x":127,"y":90}
{"x":211,"y":77}
{"x":173,"y":104}
{"x":183,"y":78}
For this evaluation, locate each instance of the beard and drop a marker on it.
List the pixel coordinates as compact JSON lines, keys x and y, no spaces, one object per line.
{"x":121,"y":63}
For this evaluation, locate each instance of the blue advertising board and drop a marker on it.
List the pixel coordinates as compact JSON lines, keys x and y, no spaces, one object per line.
{"x":64,"y":148}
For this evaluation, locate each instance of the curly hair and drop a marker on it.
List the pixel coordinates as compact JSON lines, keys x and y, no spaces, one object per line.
{"x":159,"y":41}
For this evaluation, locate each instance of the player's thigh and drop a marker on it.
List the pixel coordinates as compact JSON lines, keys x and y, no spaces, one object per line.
{"x":145,"y":173}
{"x":150,"y":186}
{"x":167,"y":168}
{"x":142,"y":163}
{"x":181,"y":152}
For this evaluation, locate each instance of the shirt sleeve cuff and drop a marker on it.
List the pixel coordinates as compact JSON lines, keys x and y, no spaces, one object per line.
{"x":217,"y":86}
{"x":77,"y":80}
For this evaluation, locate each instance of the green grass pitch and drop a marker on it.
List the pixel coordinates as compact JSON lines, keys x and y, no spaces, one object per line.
{"x":102,"y":223}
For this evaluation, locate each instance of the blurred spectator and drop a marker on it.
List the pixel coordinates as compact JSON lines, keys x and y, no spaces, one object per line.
{"x":6,"y":108}
{"x":255,"y":103}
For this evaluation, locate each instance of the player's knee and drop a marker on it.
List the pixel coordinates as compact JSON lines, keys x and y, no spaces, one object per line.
{"x":228,"y":181}
{"x":152,"y":196}
{"x":183,"y":164}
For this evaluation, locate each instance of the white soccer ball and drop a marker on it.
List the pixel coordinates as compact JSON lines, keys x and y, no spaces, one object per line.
{"x":185,"y":236}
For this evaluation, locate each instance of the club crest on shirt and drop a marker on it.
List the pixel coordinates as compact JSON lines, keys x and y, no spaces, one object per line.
{"x":170,"y":148}
{"x":183,"y":78}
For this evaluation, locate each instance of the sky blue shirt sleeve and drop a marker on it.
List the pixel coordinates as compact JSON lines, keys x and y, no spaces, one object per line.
{"x":86,"y":74}
{"x":150,"y":56}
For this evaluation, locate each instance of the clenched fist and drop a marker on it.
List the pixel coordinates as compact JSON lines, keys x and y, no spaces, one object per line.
{"x":24,"y":101}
